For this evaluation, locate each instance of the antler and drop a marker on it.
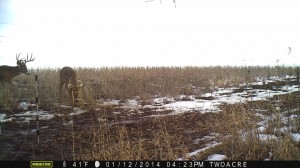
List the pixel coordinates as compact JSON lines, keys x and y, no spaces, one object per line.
{"x":30,"y":58}
{"x":23,"y":59}
{"x":17,"y":57}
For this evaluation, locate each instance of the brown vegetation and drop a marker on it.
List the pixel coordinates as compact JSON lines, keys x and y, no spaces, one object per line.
{"x":102,"y":134}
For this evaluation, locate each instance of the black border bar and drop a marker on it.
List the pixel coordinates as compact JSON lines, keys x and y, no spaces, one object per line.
{"x":149,"y":164}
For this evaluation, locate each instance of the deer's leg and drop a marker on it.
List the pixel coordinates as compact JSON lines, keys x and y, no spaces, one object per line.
{"x":71,"y":99}
{"x":60,"y":85}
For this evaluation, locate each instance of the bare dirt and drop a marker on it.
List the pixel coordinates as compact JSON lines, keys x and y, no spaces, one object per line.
{"x":109,"y":132}
{"x":60,"y":139}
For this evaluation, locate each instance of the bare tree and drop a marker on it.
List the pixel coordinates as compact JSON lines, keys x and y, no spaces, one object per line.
{"x":174,"y":1}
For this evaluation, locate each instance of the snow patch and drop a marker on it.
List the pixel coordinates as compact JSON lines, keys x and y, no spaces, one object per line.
{"x":2,"y":117}
{"x":216,"y":157}
{"x":296,"y":137}
{"x":31,"y":115}
{"x":261,"y":129}
{"x":208,"y":146}
{"x":77,"y":112}
{"x":267,"y":137}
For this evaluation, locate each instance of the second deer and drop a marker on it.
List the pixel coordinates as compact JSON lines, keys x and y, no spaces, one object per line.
{"x":9,"y":72}
{"x":68,"y":76}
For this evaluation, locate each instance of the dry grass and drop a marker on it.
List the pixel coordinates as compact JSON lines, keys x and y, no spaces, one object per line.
{"x":125,"y":82}
{"x":165,"y":138}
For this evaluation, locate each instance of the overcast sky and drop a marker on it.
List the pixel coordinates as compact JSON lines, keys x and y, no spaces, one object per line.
{"x":98,"y":33}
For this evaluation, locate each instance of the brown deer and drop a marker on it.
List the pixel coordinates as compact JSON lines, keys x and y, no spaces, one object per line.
{"x":68,"y":76}
{"x":9,"y":72}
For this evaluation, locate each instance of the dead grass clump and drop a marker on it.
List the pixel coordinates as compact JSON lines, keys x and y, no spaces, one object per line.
{"x":236,"y":147}
{"x":5,"y":96}
{"x":241,"y":140}
{"x":286,"y":149}
{"x":236,"y":125}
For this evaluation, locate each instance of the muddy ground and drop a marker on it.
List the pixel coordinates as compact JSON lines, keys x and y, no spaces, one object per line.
{"x":110,"y":132}
{"x":59,"y":134}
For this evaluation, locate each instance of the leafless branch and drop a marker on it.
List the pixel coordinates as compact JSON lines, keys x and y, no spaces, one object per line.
{"x":174,"y":1}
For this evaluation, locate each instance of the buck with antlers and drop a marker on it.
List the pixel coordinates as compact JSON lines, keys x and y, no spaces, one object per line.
{"x":9,"y":72}
{"x":68,"y":76}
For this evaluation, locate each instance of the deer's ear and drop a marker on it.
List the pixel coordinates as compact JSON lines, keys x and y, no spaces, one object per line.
{"x":80,"y":84}
{"x":70,"y":86}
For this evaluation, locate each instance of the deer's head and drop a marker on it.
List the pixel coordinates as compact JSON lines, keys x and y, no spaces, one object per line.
{"x":74,"y":87}
{"x":22,"y":63}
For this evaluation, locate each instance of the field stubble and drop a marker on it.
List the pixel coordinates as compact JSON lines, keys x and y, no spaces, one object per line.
{"x":103,"y":135}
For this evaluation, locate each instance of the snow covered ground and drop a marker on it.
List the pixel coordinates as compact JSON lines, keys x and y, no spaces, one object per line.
{"x":206,"y":103}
